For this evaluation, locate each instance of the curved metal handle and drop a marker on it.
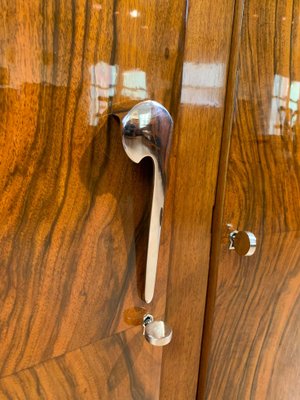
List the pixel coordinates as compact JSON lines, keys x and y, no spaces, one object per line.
{"x":147,"y":131}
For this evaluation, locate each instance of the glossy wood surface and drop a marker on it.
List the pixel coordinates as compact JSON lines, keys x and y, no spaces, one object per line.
{"x":216,"y":243}
{"x":256,"y":329}
{"x":122,"y":366}
{"x":74,"y":209}
{"x":198,"y":131}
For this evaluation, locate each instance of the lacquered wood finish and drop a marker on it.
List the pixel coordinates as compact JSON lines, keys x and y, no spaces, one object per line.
{"x":217,"y":232}
{"x":255,"y":334}
{"x":74,"y":209}
{"x":122,"y":366}
{"x":198,"y":132}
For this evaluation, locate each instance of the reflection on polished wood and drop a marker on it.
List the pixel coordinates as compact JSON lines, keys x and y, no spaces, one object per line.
{"x":122,"y":366}
{"x":72,"y":233}
{"x":255,"y":349}
{"x":256,"y":329}
{"x":198,"y":132}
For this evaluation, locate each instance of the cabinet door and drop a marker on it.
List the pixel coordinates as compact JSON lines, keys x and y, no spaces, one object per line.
{"x":255,"y":329}
{"x":74,"y":208}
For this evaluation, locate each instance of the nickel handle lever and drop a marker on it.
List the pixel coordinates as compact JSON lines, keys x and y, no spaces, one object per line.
{"x":146,"y":132}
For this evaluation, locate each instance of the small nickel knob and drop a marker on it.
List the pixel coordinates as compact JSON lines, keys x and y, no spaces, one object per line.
{"x":157,"y":333}
{"x":243,"y":242}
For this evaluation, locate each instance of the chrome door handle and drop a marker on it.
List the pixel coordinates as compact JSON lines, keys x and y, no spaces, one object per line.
{"x":243,"y":242}
{"x":146,"y":132}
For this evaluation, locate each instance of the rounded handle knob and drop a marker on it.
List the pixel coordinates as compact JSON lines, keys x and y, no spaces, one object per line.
{"x":157,"y":333}
{"x":243,"y":242}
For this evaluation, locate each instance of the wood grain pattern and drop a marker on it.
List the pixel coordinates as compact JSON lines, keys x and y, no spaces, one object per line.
{"x":73,"y":208}
{"x":198,"y":131}
{"x":122,"y":366}
{"x":217,"y":230}
{"x":255,"y":348}
{"x":255,"y":334}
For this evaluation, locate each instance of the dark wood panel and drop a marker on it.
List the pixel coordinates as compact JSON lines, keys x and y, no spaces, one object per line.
{"x":217,"y":231}
{"x":198,"y":132}
{"x":74,"y":209}
{"x":255,"y":332}
{"x":123,"y":366}
{"x":263,"y":176}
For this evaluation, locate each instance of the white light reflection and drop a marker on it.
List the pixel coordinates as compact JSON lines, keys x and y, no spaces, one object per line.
{"x":103,"y":86}
{"x":202,"y":83}
{"x":134,"y":84}
{"x":284,"y":105}
{"x":144,"y":119}
{"x":97,"y":7}
{"x":134,"y":13}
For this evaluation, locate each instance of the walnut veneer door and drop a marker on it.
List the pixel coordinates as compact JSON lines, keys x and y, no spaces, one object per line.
{"x":255,"y":331}
{"x":74,"y":209}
